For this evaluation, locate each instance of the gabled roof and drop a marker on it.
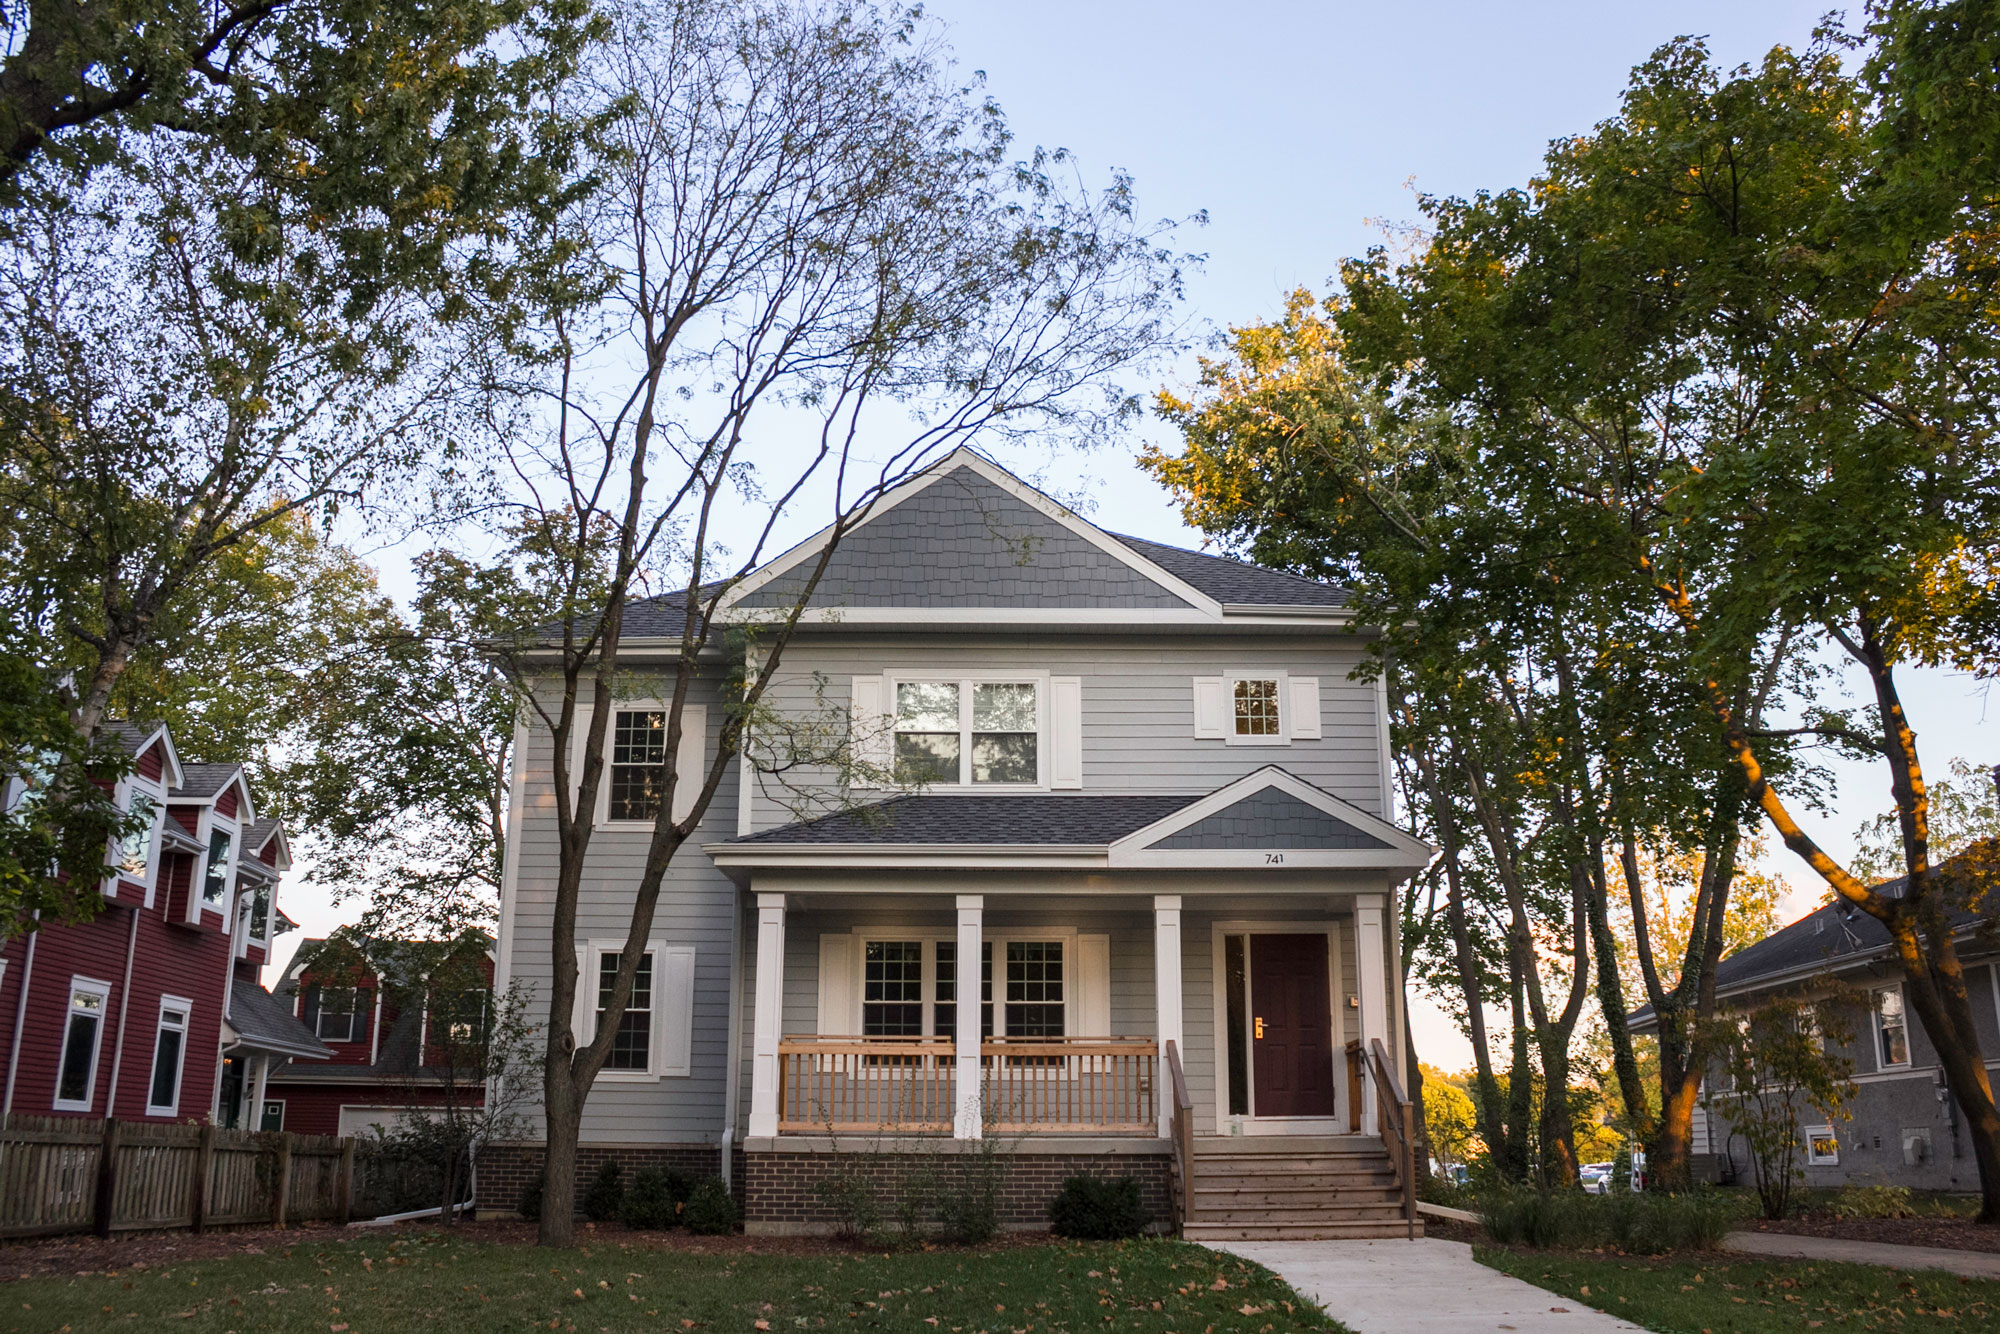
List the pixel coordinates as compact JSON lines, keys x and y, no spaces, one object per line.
{"x":263,"y":833}
{"x":201,"y":784}
{"x":966,"y":541}
{"x":138,"y":738}
{"x":1272,"y":818}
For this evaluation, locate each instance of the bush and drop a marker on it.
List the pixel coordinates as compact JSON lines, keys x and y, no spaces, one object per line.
{"x":649,"y":1203}
{"x":1643,"y":1223}
{"x":1873,"y":1202}
{"x":606,"y":1192}
{"x":1092,"y":1208}
{"x":848,"y":1192}
{"x":711,"y":1210}
{"x":530,"y":1206}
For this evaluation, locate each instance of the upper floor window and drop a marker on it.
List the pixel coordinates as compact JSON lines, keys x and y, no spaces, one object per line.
{"x":338,"y":1013}
{"x":260,"y":911}
{"x":134,"y":854}
{"x":967,"y":732}
{"x":215,"y":882}
{"x":1892,"y":1032}
{"x":1257,"y":708}
{"x":1256,"y":711}
{"x":638,"y":763}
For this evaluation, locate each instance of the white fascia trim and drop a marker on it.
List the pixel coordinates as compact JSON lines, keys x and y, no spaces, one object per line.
{"x":1016,"y":616}
{"x":966,"y":457}
{"x":510,"y":869}
{"x":170,"y":770}
{"x":1403,"y":852}
{"x":1287,"y":611}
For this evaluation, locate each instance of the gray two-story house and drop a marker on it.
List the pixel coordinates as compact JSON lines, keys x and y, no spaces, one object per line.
{"x":1127,"y":905}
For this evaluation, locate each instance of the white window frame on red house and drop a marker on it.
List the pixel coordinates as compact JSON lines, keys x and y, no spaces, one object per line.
{"x":130,"y":788}
{"x":169,"y":1005}
{"x":81,"y":985}
{"x":211,"y":824}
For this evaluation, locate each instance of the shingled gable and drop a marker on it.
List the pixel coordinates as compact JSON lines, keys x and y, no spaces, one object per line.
{"x":966,"y":539}
{"x":1272,"y":818}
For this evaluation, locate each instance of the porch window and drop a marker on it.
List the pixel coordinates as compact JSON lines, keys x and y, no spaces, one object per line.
{"x":1892,"y":1031}
{"x":1035,"y":989}
{"x":638,"y":763}
{"x":892,"y":989}
{"x":632,"y":1048}
{"x":968,"y":732}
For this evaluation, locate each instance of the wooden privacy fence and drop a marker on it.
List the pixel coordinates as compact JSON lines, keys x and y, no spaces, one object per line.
{"x":63,"y":1174}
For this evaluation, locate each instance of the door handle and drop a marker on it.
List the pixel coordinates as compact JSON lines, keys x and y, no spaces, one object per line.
{"x":1260,"y":1028}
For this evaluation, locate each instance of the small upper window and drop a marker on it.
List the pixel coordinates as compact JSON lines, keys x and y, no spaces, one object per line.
{"x":215,"y":883}
{"x":339,"y":1013}
{"x":940,"y":740}
{"x":260,"y":911}
{"x":638,"y":763}
{"x":1891,"y":1027}
{"x":1257,"y":707}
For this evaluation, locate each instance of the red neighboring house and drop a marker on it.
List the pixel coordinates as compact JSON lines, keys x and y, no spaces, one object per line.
{"x":379,"y":1014}
{"x":151,"y":1011}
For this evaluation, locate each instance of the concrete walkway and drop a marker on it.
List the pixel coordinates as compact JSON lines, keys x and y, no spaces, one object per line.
{"x":1418,"y":1287}
{"x":1787,"y":1246}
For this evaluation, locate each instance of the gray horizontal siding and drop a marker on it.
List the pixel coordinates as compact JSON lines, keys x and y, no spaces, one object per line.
{"x":1138,"y":708}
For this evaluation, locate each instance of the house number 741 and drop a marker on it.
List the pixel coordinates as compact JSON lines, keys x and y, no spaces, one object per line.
{"x":1274,"y":859}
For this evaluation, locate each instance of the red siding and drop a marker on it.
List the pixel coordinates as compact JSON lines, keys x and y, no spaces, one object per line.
{"x":154,"y":762}
{"x":362,"y":1050}
{"x":166,"y":961}
{"x":225,"y":801}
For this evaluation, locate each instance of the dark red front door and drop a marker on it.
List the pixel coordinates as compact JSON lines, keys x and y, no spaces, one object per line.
{"x":1291,"y":1026}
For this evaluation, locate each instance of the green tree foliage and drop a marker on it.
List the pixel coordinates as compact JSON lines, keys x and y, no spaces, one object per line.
{"x":1775,"y":1071}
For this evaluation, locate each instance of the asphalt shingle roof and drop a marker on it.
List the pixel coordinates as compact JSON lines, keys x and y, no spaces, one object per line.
{"x":1021,"y":818}
{"x":204,"y":780}
{"x":1228,"y":580}
{"x":263,"y":1019}
{"x":130,"y":736}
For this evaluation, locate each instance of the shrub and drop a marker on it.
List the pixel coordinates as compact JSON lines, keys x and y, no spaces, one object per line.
{"x":649,"y":1202}
{"x":607,"y":1190}
{"x":848,"y":1191}
{"x":530,"y":1206}
{"x":1643,"y":1223}
{"x":1873,"y":1202}
{"x":1530,"y":1216}
{"x":969,"y":1213}
{"x":711,"y":1210}
{"x":1099,"y":1208}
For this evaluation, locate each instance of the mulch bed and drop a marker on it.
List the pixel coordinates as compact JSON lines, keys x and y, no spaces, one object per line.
{"x":1952,"y":1234}
{"x":157,"y":1250}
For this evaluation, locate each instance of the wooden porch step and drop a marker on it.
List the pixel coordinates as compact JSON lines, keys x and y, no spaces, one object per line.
{"x":1279,"y":1198}
{"x":1324,"y":1230}
{"x":1295,"y":1213}
{"x":1289,"y":1146}
{"x":1303,"y":1175}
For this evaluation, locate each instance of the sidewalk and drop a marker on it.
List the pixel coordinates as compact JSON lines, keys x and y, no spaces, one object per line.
{"x":1787,"y":1246}
{"x":1418,"y":1287}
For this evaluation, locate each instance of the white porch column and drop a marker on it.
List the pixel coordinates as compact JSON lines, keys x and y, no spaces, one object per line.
{"x":969,"y":1122}
{"x":1370,"y":974}
{"x":769,"y":1016}
{"x":254,"y":1120}
{"x":1167,"y":998}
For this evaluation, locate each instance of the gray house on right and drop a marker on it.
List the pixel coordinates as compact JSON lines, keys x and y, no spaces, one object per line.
{"x":1905,"y":1129}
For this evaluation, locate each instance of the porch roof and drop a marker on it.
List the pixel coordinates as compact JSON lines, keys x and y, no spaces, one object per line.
{"x":1013,"y":819}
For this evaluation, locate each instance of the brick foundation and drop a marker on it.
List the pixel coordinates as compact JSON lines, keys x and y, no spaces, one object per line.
{"x":505,"y":1170}
{"x":782,"y":1194}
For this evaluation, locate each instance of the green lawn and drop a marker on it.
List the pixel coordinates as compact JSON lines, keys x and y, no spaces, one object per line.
{"x":380,"y":1285}
{"x":1713,"y":1294}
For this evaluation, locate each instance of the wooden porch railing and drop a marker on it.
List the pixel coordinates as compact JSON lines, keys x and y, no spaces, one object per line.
{"x":1183,"y":1138}
{"x":1398,"y":1125}
{"x":909,"y":1085}
{"x":1058,"y":1085}
{"x":873,"y":1084}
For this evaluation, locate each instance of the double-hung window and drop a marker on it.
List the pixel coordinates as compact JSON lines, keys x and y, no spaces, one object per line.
{"x":1034,"y":989}
{"x":632,"y":1048}
{"x":215,"y":880}
{"x":892,"y":989}
{"x":133,"y":856}
{"x":83,"y":1035}
{"x":638,"y":763}
{"x":1892,"y":1032}
{"x":169,"y":1054}
{"x":339,"y":1013}
{"x":899,"y":991}
{"x":968,"y":732}
{"x":260,"y":912}
{"x":945,"y":1006}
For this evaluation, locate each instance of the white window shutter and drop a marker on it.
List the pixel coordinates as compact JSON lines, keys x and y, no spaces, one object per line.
{"x":1211,"y":708}
{"x":674,"y":1008}
{"x":691,"y":763}
{"x":1093,"y":987}
{"x":867,"y":726}
{"x":839,"y":985}
{"x":1305,"y":708}
{"x":1065,"y":731}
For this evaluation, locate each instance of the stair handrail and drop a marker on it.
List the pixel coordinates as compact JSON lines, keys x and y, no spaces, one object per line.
{"x":1398,"y":1127}
{"x":1183,"y":1128}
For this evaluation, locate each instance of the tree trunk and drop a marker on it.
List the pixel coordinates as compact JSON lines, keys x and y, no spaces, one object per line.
{"x":1937,"y":993}
{"x":561,"y":1127}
